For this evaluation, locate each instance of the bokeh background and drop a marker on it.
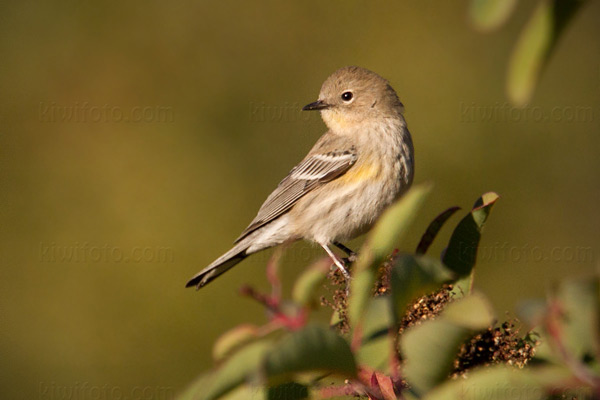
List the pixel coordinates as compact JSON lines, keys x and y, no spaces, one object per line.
{"x":137,"y":139}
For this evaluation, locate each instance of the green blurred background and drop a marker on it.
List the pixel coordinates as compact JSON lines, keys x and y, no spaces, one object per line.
{"x":137,"y":140}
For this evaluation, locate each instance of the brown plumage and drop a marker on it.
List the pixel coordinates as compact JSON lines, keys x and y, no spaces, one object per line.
{"x":361,"y":165}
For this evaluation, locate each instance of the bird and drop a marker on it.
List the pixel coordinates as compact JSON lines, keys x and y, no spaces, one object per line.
{"x":359,"y":167}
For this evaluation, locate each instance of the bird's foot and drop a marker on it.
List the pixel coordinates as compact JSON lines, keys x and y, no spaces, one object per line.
{"x":341,"y":263}
{"x":350,"y":259}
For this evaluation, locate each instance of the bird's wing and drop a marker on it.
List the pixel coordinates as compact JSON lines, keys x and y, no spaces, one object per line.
{"x":316,"y":169}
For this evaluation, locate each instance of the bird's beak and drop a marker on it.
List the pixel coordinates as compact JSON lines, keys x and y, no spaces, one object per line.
{"x":317,"y":105}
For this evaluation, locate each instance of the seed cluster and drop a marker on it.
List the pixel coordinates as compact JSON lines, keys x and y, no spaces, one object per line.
{"x":494,"y":345}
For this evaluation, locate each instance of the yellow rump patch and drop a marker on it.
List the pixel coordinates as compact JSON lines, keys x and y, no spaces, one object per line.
{"x":361,"y":173}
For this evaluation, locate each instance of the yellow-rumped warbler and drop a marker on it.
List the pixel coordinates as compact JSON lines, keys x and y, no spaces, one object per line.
{"x":361,"y":165}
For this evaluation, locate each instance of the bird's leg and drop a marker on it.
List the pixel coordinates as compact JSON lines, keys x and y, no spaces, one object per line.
{"x":340,"y":264}
{"x":351,"y":254}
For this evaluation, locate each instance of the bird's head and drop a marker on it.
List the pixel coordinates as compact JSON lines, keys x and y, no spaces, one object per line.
{"x":352,"y":96}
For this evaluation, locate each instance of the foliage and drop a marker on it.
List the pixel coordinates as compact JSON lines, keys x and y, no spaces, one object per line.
{"x":415,"y":329}
{"x":534,"y":45}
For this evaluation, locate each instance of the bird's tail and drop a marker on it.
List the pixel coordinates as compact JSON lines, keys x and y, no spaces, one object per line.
{"x":219,"y":266}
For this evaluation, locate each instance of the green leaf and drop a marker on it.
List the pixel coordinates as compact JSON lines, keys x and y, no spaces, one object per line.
{"x":377,"y":318}
{"x":384,"y":237}
{"x":234,"y":339}
{"x":377,"y":345}
{"x":461,"y":253}
{"x":335,"y":319}
{"x":415,"y":276}
{"x":569,"y":321}
{"x":535,"y":45}
{"x":473,"y":312}
{"x":314,"y":348}
{"x":433,"y":229}
{"x":501,"y":382}
{"x":305,"y":288}
{"x":197,"y":388}
{"x":245,"y":392}
{"x":238,"y":369}
{"x":377,"y":353}
{"x":429,"y":349}
{"x":288,"y":391}
{"x":578,"y":299}
{"x":392,"y":226}
{"x":487,"y":15}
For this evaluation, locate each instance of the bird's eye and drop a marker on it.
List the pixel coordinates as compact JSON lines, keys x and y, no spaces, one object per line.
{"x":347,"y":96}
